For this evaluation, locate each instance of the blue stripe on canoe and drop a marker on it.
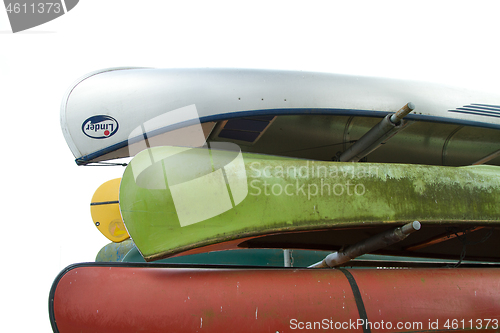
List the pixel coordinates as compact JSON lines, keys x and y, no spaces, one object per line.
{"x":487,"y":105}
{"x":482,"y":109}
{"x":485,"y":110}
{"x":477,"y":113}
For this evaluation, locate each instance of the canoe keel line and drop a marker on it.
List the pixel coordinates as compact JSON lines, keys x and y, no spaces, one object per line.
{"x":100,"y":298}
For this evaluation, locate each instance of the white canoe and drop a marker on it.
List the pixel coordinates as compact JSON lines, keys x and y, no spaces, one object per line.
{"x":297,"y":114}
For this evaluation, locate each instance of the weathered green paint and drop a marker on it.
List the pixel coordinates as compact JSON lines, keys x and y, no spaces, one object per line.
{"x":298,"y":195}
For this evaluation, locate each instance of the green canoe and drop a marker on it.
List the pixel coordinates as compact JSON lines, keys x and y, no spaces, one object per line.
{"x":184,"y":201}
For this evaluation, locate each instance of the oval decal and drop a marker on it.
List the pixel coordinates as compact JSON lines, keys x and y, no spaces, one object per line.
{"x":100,"y":127}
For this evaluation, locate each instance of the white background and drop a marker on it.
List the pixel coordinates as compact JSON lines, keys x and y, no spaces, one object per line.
{"x":46,"y":223}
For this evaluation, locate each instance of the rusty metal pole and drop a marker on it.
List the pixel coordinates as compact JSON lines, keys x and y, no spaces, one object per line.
{"x":398,"y":116}
{"x":377,"y":135}
{"x":371,"y":244}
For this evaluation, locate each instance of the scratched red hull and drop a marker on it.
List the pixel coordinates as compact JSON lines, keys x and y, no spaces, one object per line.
{"x":152,"y":298}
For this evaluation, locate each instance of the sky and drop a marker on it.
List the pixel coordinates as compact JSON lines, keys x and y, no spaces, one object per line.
{"x":46,"y":222}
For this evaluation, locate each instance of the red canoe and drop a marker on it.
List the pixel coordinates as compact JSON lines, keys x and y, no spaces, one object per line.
{"x":123,"y":298}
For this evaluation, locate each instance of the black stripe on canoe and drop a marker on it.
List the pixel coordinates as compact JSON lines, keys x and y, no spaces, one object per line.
{"x":357,"y":298}
{"x":104,"y":203}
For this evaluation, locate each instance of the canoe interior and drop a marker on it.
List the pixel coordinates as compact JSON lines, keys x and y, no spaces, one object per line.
{"x":322,"y":137}
{"x":127,"y":252}
{"x":451,"y":242}
{"x":478,"y":243}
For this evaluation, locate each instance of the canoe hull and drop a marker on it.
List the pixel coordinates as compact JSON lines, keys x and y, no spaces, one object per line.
{"x":154,"y":298}
{"x":315,"y":115}
{"x":191,"y":209}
